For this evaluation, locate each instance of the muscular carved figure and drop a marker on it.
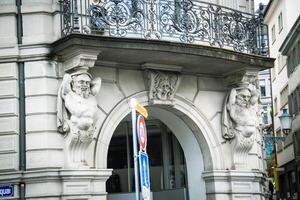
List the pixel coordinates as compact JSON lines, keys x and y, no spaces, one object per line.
{"x":242,"y":111}
{"x":76,"y":110}
{"x":241,"y":121}
{"x":79,"y":94}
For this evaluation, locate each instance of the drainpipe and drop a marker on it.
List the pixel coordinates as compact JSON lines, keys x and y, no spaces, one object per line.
{"x":22,"y":127}
{"x":21,"y":79}
{"x":19,"y":21}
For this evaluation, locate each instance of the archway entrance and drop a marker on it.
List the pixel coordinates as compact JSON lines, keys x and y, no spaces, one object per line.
{"x":167,"y":163}
{"x":176,"y":161}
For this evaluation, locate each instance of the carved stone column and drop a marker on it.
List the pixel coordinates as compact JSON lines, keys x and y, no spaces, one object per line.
{"x":241,"y":115}
{"x":77,"y":106}
{"x":163,"y":82}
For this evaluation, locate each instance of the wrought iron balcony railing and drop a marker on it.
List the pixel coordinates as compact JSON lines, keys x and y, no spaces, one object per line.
{"x":170,"y":20}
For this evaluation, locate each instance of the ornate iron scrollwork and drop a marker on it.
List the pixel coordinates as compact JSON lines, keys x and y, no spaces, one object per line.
{"x":117,"y":16}
{"x":172,"y":20}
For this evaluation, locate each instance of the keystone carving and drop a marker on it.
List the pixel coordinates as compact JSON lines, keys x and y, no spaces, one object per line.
{"x":163,"y":86}
{"x":241,"y":117}
{"x":76,"y":110}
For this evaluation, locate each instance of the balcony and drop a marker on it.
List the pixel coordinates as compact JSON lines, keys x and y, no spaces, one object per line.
{"x":178,"y":21}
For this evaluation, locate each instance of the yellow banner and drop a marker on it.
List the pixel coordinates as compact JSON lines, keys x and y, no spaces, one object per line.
{"x":275,"y":174}
{"x":142,"y":110}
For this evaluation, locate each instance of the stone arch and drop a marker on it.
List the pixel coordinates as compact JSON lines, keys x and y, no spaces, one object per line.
{"x":182,"y":117}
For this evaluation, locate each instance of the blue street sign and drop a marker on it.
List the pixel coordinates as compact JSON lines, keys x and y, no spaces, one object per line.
{"x":6,"y":191}
{"x":144,"y":175}
{"x":269,"y":150}
{"x":144,"y":169}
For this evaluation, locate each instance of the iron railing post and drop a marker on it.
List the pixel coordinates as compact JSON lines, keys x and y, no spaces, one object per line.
{"x":76,"y":27}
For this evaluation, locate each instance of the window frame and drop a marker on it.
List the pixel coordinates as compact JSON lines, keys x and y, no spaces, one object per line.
{"x":275,"y":106}
{"x":280,"y":22}
{"x":273,"y":33}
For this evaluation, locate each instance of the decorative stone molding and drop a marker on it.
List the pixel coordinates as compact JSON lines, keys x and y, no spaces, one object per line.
{"x":241,"y":115}
{"x":76,"y":184}
{"x":79,"y":58}
{"x":242,"y":184}
{"x":77,"y":107}
{"x":71,"y":184}
{"x":163,"y":82}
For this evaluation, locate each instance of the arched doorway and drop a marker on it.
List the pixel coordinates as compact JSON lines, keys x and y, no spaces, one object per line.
{"x":168,"y":172}
{"x":189,"y":125}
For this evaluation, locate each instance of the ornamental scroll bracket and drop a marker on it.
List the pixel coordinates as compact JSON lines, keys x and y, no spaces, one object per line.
{"x":163,"y":82}
{"x":241,"y":115}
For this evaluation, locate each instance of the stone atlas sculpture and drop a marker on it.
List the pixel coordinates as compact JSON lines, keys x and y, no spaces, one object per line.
{"x":240,"y":120}
{"x":76,"y":110}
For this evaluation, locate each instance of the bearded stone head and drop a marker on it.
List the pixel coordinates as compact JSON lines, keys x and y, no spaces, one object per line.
{"x":243,"y":97}
{"x":82,"y":85}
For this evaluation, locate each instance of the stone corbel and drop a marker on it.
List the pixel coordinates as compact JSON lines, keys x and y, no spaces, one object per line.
{"x":163,"y":82}
{"x":242,"y":77}
{"x":240,"y":117}
{"x":79,"y":58}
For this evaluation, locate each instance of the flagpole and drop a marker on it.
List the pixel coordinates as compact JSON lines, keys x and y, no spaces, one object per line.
{"x":135,"y":154}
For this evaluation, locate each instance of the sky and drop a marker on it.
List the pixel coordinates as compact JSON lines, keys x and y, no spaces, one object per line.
{"x":256,"y":3}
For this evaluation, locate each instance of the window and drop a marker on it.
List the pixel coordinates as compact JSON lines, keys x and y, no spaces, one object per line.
{"x":297,"y":91}
{"x":275,"y":106}
{"x":278,"y":63}
{"x":281,"y":61}
{"x":263,"y":90}
{"x":294,"y":101}
{"x":284,"y":93}
{"x":289,"y":66}
{"x":297,"y":54}
{"x":293,"y":58}
{"x":262,"y":85}
{"x":297,"y":145}
{"x":265,"y":116}
{"x":273,"y":74}
{"x":291,"y":109}
{"x":279,"y":144}
{"x":298,"y":47}
{"x":280,"y":22}
{"x":273,"y":34}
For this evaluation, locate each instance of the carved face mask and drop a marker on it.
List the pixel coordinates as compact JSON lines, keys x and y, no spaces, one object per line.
{"x":81,"y":85}
{"x":243,"y":97}
{"x":164,"y":90}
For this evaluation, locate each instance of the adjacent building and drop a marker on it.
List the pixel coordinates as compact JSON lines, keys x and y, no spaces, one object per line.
{"x":291,"y":49}
{"x":281,"y":17}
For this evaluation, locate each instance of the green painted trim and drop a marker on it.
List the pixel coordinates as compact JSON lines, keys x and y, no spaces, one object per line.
{"x":22,"y":127}
{"x":19,"y":21}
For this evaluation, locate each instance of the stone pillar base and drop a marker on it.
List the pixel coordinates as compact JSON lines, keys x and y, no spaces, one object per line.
{"x":85,"y":184}
{"x":235,"y":185}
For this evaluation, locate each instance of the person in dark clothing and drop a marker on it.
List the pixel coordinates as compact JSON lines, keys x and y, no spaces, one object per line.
{"x":113,"y":184}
